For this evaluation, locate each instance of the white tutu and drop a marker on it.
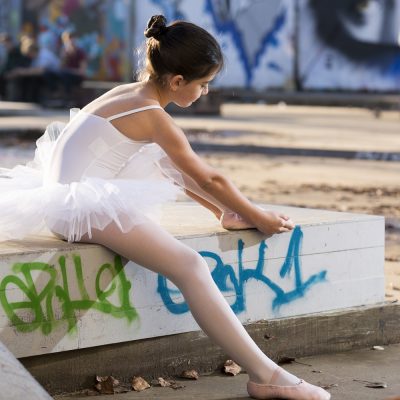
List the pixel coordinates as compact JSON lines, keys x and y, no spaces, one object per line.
{"x":31,"y":205}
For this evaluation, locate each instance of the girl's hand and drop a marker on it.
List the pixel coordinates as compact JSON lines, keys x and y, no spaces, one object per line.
{"x":270,"y":222}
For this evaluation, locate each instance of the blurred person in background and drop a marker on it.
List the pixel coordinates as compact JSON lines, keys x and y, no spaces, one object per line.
{"x":3,"y":51}
{"x":3,"y":61}
{"x":94,"y":52}
{"x":36,"y":77}
{"x":73,"y":63}
{"x":47,"y":58}
{"x":17,"y":58}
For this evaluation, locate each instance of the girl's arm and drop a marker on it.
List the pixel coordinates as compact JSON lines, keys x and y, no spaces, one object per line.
{"x":174,"y":142}
{"x":215,"y":210}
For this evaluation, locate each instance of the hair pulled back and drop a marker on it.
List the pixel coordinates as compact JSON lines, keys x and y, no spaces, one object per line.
{"x":181,"y":48}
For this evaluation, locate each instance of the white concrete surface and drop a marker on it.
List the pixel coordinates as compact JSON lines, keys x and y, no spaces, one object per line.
{"x":56,"y":296}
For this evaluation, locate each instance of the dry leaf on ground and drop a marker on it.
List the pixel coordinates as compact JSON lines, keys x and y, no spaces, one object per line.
{"x":190,"y":374}
{"x":160,"y":381}
{"x":175,"y":385}
{"x":122,"y":388}
{"x":231,"y":368}
{"x":139,"y":384}
{"x":106,"y":384}
{"x":163,"y":382}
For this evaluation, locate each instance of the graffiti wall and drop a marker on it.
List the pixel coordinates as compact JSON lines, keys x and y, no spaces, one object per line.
{"x":102,"y":28}
{"x":349,"y":44}
{"x":256,"y":36}
{"x":303,"y":44}
{"x":282,"y":44}
{"x":10,"y":17}
{"x":83,"y":295}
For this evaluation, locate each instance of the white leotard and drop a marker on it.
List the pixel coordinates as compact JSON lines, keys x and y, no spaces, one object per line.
{"x":90,"y":146}
{"x":85,"y":175}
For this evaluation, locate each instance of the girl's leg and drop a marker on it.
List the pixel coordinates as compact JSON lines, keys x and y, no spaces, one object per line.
{"x":152,"y":247}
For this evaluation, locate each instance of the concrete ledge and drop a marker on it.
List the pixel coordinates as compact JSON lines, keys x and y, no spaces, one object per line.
{"x":373,"y":100}
{"x":56,"y":296}
{"x":169,"y":355}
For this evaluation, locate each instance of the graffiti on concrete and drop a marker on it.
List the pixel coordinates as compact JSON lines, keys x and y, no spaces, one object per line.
{"x":223,"y":273}
{"x":171,"y":9}
{"x":239,"y":19}
{"x":54,"y":294}
{"x":364,"y":31}
{"x":349,"y":38}
{"x":37,"y":311}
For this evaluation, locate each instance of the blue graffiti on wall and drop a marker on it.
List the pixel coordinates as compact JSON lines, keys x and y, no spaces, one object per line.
{"x":225,"y":21}
{"x":222,"y":272}
{"x":267,"y":39}
{"x":170,"y":9}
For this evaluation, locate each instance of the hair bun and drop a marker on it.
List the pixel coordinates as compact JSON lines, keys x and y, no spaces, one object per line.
{"x":156,"y":26}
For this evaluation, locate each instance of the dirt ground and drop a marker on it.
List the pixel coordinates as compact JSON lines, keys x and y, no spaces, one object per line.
{"x":368,"y":187}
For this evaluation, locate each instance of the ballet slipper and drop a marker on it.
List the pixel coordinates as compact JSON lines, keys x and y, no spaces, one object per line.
{"x":301,"y":391}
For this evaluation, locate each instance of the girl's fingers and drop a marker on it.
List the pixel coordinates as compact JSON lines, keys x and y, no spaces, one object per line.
{"x":290,"y":223}
{"x":287,"y":225}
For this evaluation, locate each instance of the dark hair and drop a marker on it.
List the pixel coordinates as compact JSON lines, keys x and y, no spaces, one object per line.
{"x":181,"y":48}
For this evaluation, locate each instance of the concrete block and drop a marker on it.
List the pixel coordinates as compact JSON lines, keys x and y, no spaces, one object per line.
{"x":56,"y":296}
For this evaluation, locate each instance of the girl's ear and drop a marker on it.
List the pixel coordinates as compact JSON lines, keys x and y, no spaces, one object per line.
{"x":175,"y":82}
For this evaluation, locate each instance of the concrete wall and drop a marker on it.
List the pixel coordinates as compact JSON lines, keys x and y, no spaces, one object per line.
{"x":103,"y":30}
{"x":323,"y":44}
{"x":256,"y":36}
{"x":302,"y":44}
{"x":349,"y":45}
{"x":55,"y":296}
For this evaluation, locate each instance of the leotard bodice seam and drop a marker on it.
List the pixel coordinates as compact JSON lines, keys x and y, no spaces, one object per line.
{"x":109,"y":119}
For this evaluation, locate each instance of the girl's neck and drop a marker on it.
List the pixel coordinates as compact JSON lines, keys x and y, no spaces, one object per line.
{"x":155,"y":92}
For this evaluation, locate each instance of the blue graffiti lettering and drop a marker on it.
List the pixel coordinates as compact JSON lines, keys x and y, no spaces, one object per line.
{"x":267,"y":40}
{"x":224,"y":272}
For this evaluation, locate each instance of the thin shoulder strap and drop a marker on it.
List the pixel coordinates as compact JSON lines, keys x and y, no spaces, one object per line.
{"x":132,"y":112}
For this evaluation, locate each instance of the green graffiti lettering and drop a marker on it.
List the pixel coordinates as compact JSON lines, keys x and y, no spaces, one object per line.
{"x":40,"y":303}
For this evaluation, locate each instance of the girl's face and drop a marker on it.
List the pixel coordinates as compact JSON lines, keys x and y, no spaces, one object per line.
{"x":189,"y":92}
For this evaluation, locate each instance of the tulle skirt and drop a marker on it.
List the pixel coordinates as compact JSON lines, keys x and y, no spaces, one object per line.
{"x":29,"y":204}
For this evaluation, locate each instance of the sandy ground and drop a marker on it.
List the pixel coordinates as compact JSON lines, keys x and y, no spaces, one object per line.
{"x":369,"y":187}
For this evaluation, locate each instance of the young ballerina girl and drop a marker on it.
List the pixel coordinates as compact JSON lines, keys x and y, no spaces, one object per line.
{"x":99,"y":178}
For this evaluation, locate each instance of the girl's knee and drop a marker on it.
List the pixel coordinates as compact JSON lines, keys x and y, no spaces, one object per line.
{"x":201,"y":264}
{"x":196,"y":267}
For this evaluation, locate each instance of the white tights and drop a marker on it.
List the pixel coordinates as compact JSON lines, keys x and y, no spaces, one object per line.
{"x":151,"y":246}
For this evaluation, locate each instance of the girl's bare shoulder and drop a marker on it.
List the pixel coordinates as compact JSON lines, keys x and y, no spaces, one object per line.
{"x":119,"y":99}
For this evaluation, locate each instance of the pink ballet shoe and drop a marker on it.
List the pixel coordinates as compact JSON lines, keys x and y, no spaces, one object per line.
{"x":301,"y":391}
